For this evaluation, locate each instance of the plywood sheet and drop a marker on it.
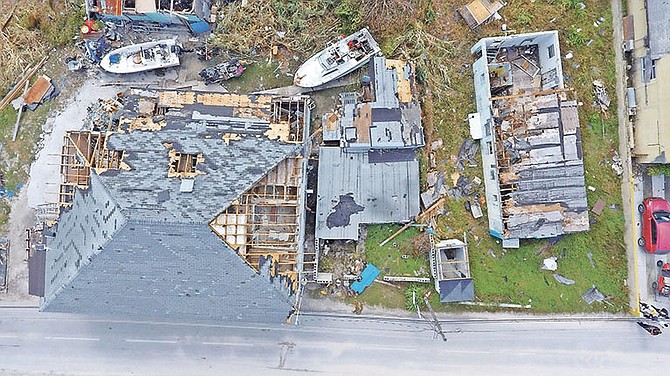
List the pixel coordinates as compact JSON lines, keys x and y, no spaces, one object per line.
{"x":38,"y":90}
{"x":362,"y":123}
{"x":404,"y":85}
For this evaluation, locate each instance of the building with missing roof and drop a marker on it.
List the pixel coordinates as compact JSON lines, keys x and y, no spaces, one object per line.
{"x":179,"y":204}
{"x":530,"y":139}
{"x":368,"y":168}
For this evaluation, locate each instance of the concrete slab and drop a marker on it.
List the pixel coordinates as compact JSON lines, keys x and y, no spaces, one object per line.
{"x":658,"y":185}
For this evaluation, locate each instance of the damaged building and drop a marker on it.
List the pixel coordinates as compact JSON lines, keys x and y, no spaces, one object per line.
{"x":179,"y":204}
{"x":530,"y":139}
{"x":368,"y":169}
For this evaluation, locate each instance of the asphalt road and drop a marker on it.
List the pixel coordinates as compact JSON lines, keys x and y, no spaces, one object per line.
{"x":47,"y":343}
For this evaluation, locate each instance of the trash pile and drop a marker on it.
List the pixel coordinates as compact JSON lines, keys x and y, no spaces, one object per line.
{"x":222,"y":72}
{"x":101,"y":115}
{"x":467,"y":153}
{"x":602,"y":99}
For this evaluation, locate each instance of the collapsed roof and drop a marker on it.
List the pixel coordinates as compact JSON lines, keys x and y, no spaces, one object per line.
{"x":142,"y":189}
{"x":531,"y":147}
{"x":368,"y":170}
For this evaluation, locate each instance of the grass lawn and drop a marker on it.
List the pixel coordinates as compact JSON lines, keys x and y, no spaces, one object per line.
{"x":389,"y":258}
{"x":441,"y":48}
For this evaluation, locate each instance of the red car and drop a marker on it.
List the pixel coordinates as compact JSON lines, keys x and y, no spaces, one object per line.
{"x":655,"y":225}
{"x":663,"y":284}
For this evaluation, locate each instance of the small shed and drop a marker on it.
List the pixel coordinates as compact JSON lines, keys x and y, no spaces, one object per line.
{"x":450,"y":267}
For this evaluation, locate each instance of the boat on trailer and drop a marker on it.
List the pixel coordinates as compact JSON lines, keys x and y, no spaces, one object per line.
{"x":142,"y":57}
{"x":344,"y":56}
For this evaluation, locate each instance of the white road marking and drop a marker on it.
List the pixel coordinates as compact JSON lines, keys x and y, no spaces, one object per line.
{"x":8,"y":336}
{"x":228,"y":344}
{"x":73,"y":338}
{"x":150,"y":341}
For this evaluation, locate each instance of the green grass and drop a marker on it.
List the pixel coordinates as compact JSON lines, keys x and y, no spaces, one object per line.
{"x":391,"y":254}
{"x":259,"y":76}
{"x":380,"y":295}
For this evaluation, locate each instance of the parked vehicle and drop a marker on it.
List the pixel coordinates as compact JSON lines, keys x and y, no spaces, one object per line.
{"x":662,"y":286}
{"x":344,"y":56}
{"x":655,"y":213}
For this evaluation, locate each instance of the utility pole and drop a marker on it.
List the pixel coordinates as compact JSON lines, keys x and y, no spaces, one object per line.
{"x":436,"y":322}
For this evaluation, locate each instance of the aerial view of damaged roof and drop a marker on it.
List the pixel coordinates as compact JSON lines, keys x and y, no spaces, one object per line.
{"x":180,"y":204}
{"x":368,"y":170}
{"x":531,"y":144}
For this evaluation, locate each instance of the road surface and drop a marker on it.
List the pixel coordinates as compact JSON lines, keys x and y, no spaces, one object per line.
{"x":33,"y":343}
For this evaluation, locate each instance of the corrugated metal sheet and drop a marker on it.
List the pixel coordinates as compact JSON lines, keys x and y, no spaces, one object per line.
{"x":387,"y":191}
{"x":658,"y":14}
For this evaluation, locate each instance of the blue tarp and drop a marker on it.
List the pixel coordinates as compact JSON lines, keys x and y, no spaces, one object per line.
{"x":367,"y":277}
{"x":198,"y":27}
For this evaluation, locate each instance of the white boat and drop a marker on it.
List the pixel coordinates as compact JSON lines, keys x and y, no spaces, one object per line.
{"x":142,"y":57}
{"x":342,"y":57}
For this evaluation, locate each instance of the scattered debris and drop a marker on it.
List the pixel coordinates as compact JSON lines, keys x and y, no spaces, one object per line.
{"x":599,"y":206}
{"x":467,"y":153}
{"x":592,"y":295}
{"x":652,"y":329}
{"x":222,"y":72}
{"x":490,"y":252}
{"x":617,"y":164}
{"x":475,"y":209}
{"x":358,"y":307}
{"x":436,"y":188}
{"x":601,"y":95}
{"x":42,"y":90}
{"x":94,"y":50}
{"x":591,"y":188}
{"x":550,"y":264}
{"x":590,"y":257}
{"x":73,"y":64}
{"x":478,"y":12}
{"x":563,"y":280}
{"x":16,"y":90}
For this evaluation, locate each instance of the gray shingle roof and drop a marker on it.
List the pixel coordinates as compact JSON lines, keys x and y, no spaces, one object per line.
{"x":229,"y":171}
{"x":176,"y":271}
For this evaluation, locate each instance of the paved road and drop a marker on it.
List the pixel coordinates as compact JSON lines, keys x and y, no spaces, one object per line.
{"x":47,"y":343}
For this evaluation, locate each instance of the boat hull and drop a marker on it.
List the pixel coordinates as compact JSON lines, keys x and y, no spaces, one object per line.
{"x":337,"y":60}
{"x":142,"y":57}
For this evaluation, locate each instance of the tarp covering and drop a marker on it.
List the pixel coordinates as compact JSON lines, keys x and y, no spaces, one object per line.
{"x":367,"y":277}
